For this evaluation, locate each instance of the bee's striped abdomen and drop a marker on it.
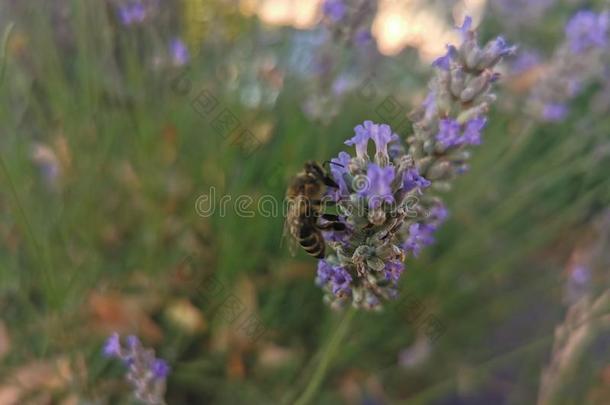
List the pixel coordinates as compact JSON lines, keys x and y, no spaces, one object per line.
{"x":311,"y":241}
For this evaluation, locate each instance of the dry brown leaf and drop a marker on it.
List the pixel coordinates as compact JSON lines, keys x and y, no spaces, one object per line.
{"x":41,"y":378}
{"x":113,"y":312}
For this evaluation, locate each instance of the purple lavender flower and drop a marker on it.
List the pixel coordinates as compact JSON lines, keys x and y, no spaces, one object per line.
{"x":179,"y":52}
{"x":132,"y":341}
{"x":338,"y":170}
{"x":411,"y":180}
{"x":525,"y":61}
{"x":472,"y":133}
{"x":146,"y":373}
{"x":364,"y":267}
{"x":325,"y":271}
{"x":448,"y":133}
{"x":499,"y":47}
{"x":363,"y":37}
{"x":160,"y":369}
{"x":444,"y":62}
{"x":393,"y":270}
{"x":437,"y":215}
{"x":360,"y":140}
{"x":337,"y":276}
{"x":382,"y":135}
{"x":379,"y":185}
{"x":554,"y":112}
{"x":576,"y":62}
{"x":341,"y":237}
{"x":112,"y":347}
{"x":335,"y":10}
{"x":494,"y":51}
{"x":340,"y":281}
{"x":420,"y":235}
{"x":466,"y":27}
{"x":587,"y":29}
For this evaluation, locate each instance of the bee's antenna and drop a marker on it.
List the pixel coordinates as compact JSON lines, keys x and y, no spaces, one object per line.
{"x":334,"y":163}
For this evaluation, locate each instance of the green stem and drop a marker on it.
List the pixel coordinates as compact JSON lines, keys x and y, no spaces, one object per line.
{"x":329,"y":352}
{"x":36,"y":247}
{"x":5,"y":38}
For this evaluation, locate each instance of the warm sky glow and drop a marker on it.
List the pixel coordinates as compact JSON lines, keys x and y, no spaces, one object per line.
{"x":300,"y":14}
{"x":398,"y":23}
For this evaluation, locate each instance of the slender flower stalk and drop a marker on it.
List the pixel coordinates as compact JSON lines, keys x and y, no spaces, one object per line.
{"x":384,"y":197}
{"x":146,"y":373}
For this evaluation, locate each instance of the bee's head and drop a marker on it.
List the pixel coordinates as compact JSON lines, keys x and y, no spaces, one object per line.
{"x":314,"y":169}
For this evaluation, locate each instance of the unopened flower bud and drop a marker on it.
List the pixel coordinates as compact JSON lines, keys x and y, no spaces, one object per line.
{"x":475,"y":87}
{"x":439,"y":171}
{"x":458,"y":78}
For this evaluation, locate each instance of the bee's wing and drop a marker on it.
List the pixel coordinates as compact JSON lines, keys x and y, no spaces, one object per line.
{"x":291,"y":241}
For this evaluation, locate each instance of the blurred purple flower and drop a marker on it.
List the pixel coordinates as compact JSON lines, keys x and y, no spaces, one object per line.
{"x":112,"y":347}
{"x":587,"y":29}
{"x":179,"y":52}
{"x":437,"y":215}
{"x":581,"y":274}
{"x":444,"y":62}
{"x":472,"y":133}
{"x":420,"y":235}
{"x":465,"y":28}
{"x":363,"y":37}
{"x":335,"y":10}
{"x":160,"y":368}
{"x":525,"y":61}
{"x":498,"y":48}
{"x":145,"y":372}
{"x":554,"y":112}
{"x":448,"y":132}
{"x":133,"y":13}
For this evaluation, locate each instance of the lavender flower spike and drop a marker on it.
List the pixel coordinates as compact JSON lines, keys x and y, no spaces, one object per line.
{"x":146,"y":373}
{"x":386,"y":203}
{"x":578,"y":61}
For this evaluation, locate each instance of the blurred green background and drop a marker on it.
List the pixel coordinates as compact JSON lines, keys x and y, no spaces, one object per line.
{"x":105,"y":154}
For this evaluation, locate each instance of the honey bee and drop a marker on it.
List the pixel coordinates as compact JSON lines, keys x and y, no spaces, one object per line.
{"x":304,"y":196}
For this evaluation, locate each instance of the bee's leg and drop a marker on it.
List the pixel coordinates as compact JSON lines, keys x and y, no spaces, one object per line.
{"x":330,"y":217}
{"x":323,"y":203}
{"x":332,"y":226}
{"x":329,"y":182}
